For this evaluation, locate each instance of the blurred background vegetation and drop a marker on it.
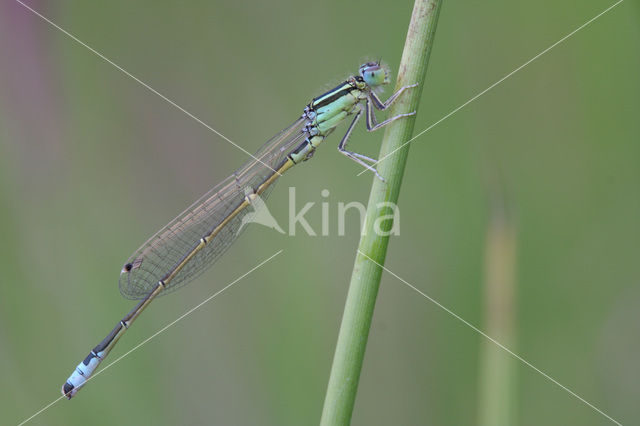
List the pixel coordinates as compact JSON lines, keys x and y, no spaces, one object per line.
{"x":519,"y":213}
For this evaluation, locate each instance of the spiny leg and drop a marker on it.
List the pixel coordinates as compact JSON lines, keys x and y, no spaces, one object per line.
{"x":363,"y":164}
{"x":386,"y":104}
{"x":364,"y":157}
{"x":372,"y":123}
{"x":354,"y":155}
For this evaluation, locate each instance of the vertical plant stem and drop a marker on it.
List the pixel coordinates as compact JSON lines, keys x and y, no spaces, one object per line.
{"x":497,"y":395}
{"x":365,"y":278}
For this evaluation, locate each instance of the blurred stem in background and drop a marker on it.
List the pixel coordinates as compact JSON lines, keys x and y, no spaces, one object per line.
{"x":497,"y":393}
{"x":365,"y":279}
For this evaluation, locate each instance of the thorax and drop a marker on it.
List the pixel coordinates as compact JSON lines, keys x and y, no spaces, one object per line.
{"x":328,"y":110}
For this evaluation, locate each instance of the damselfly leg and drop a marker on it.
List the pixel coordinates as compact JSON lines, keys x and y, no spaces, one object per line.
{"x":372,"y":124}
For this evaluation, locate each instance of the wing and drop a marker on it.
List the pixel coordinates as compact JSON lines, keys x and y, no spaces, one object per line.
{"x":169,"y":247}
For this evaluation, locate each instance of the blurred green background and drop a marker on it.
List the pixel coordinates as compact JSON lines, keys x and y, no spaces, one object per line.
{"x":92,"y":163}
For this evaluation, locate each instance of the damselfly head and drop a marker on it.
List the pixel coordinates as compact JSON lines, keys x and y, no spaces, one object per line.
{"x":374,"y":74}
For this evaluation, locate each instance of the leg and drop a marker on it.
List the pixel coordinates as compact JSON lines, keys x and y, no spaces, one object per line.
{"x":358,"y":158}
{"x":384,"y":105}
{"x":372,"y":123}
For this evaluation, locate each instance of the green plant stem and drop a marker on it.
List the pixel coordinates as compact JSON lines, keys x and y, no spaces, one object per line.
{"x":365,"y":279}
{"x":497,"y":391}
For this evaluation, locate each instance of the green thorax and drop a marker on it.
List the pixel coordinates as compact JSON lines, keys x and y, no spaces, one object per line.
{"x":328,"y":110}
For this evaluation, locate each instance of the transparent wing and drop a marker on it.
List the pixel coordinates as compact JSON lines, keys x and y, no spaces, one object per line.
{"x":169,"y":246}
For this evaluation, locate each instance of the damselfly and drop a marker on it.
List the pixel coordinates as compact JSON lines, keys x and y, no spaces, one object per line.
{"x":194,"y":240}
